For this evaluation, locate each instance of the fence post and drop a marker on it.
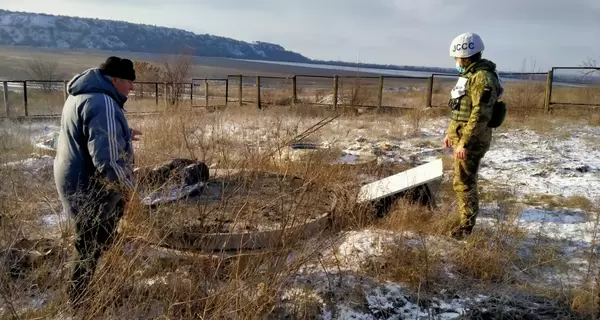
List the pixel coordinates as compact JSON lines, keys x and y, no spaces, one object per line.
{"x":240,"y":89}
{"x":258,"y":92}
{"x":25,"y":98}
{"x":226,"y":91}
{"x":206,"y":93}
{"x":65,"y":89}
{"x":166,"y":93}
{"x":141,"y":86}
{"x":6,"y":102}
{"x":156,"y":92}
{"x":429,"y":91}
{"x":192,"y":93}
{"x":549,"y":80}
{"x":294,"y":92}
{"x":335,"y":91}
{"x":380,"y":92}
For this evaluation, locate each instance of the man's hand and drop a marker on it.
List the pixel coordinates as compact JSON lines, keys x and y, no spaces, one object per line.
{"x":446,"y":142}
{"x":134,"y":134}
{"x":460,"y":153}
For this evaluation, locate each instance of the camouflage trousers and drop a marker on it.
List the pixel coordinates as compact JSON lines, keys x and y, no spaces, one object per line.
{"x":465,"y":186}
{"x":466,"y":175}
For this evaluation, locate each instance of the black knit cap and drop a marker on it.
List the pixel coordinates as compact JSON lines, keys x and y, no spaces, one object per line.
{"x":118,"y":68}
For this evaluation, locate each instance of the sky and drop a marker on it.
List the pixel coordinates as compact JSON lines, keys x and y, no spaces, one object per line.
{"x":524,"y":35}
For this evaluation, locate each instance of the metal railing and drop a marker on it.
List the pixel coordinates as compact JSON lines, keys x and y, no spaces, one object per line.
{"x":335,"y":91}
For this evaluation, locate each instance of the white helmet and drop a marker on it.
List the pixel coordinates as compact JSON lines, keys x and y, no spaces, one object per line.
{"x":466,"y":45}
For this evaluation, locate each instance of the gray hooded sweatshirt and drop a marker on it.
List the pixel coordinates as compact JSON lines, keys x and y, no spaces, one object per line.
{"x":94,"y":143}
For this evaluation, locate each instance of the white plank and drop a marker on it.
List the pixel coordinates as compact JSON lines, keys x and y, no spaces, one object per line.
{"x":401,"y":181}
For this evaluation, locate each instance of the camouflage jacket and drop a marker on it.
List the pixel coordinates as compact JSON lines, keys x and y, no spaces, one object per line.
{"x":472,"y":100}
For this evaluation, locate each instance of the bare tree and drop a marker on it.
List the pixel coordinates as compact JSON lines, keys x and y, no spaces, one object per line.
{"x":176,"y":71}
{"x":355,"y":92}
{"x":145,"y":72}
{"x":44,"y":70}
{"x":590,"y":63}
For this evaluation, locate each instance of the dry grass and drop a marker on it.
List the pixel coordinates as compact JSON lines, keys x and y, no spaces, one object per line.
{"x":560,"y":202}
{"x":138,"y":280}
{"x":224,"y":285}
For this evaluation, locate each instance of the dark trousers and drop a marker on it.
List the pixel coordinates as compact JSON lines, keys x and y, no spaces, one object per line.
{"x":95,"y":228}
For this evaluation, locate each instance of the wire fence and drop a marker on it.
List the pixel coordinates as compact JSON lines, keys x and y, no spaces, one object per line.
{"x":560,"y":87}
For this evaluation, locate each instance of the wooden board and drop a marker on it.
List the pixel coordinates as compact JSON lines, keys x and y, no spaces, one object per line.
{"x":402,"y":181}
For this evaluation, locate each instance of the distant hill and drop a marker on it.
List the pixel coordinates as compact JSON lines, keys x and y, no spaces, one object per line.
{"x":64,"y":32}
{"x":51,"y":31}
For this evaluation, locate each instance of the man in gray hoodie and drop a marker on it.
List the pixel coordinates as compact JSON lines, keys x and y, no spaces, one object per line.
{"x":93,"y":168}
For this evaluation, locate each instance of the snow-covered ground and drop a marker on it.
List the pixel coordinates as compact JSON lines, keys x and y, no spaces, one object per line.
{"x":533,"y":163}
{"x":564,"y":163}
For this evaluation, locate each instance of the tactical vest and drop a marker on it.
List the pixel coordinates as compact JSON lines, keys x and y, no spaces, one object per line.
{"x":460,"y":101}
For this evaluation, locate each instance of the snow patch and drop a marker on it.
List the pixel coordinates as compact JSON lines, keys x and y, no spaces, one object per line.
{"x":535,"y":163}
{"x":33,"y":165}
{"x":55,"y":219}
{"x":570,"y":225}
{"x":359,"y":246}
{"x":344,"y":296}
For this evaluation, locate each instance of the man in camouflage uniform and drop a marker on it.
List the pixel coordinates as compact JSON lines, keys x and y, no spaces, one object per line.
{"x":472,"y":100}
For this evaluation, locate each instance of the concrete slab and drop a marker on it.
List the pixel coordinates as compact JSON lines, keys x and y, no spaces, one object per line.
{"x":402,"y":181}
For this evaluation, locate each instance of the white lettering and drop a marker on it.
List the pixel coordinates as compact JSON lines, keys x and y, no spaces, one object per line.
{"x":463,"y":46}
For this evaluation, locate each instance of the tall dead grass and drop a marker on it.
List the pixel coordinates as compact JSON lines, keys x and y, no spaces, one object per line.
{"x":136,"y":279}
{"x":500,"y":259}
{"x":141,"y":280}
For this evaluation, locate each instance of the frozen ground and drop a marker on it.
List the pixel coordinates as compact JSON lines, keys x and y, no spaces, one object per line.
{"x":523,"y":162}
